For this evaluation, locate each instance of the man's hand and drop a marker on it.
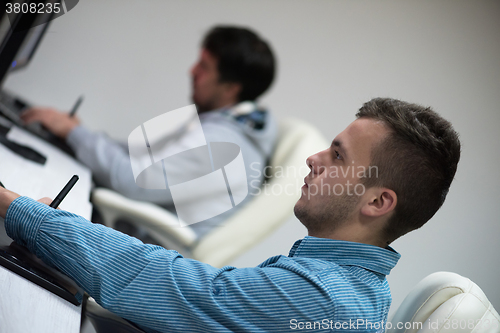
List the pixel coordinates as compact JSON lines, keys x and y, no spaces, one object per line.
{"x":45,"y":200}
{"x":59,"y":123}
{"x":6,"y":198}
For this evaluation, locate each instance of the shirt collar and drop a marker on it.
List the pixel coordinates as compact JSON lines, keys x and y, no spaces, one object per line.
{"x":370,"y":257}
{"x":239,"y":109}
{"x":242,"y":108}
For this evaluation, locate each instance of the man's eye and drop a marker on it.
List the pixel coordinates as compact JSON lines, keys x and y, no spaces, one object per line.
{"x":337,"y":155}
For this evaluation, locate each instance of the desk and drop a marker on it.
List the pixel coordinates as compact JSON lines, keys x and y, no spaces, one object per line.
{"x":30,"y":292}
{"x":26,"y":307}
{"x":36,"y":180}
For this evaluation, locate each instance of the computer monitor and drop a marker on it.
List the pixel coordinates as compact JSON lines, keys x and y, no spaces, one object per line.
{"x":29,"y":46}
{"x":20,"y":35}
{"x":4,"y":27}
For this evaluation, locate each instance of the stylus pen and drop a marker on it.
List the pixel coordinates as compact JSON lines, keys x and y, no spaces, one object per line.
{"x":76,"y":106}
{"x":2,"y":185}
{"x":64,"y":192}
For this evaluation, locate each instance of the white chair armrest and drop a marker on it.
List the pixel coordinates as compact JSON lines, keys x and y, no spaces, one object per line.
{"x":148,"y":215}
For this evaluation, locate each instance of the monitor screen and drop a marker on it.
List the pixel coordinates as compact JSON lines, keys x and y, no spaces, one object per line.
{"x":20,"y":35}
{"x":28,"y":48}
{"x":4,"y":27}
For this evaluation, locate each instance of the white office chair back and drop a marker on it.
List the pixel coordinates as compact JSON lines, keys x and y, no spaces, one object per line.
{"x":445,"y":302}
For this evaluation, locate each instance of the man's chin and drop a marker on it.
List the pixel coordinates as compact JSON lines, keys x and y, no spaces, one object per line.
{"x":302,"y":215}
{"x":201,"y":108}
{"x":195,"y":101}
{"x":299,"y":210}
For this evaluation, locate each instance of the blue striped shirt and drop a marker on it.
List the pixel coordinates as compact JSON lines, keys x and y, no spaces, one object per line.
{"x":323,"y":285}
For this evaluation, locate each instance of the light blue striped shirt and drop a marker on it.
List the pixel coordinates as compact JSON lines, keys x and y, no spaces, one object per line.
{"x":323,"y":285}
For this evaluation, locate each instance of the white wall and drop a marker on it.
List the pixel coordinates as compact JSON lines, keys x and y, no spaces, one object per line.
{"x":131,"y":58}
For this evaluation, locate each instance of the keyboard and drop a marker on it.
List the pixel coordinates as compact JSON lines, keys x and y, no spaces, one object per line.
{"x":11,"y":108}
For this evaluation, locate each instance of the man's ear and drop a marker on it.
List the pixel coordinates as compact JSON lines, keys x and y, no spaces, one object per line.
{"x":379,"y":201}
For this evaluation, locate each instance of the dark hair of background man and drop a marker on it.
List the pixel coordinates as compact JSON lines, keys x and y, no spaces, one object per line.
{"x":243,"y":58}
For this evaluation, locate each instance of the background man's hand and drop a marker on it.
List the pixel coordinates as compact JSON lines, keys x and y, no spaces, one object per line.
{"x":59,"y":123}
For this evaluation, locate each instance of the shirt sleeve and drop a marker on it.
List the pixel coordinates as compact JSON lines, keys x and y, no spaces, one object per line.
{"x":158,"y":288}
{"x":134,"y":280}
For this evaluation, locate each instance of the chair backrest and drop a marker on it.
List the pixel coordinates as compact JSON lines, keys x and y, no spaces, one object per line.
{"x":445,"y":302}
{"x":274,"y":204}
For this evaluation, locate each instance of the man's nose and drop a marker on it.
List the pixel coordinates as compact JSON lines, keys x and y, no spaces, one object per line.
{"x":193,"y":70}
{"x":313,"y":163}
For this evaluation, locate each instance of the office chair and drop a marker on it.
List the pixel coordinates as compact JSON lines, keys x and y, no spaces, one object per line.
{"x":263,"y":214}
{"x":445,"y":302}
{"x":105,"y":321}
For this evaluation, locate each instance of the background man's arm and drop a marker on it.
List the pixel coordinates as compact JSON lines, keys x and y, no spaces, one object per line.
{"x":111,"y":167}
{"x":108,"y":160}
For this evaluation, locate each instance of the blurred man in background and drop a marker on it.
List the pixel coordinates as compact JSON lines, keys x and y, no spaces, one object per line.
{"x":234,"y":68}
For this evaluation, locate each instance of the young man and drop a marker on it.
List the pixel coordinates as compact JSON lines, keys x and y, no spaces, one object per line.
{"x":235,"y":67}
{"x":333,"y":279}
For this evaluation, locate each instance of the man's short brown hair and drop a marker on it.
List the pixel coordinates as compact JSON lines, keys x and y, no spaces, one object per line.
{"x":417,"y":160}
